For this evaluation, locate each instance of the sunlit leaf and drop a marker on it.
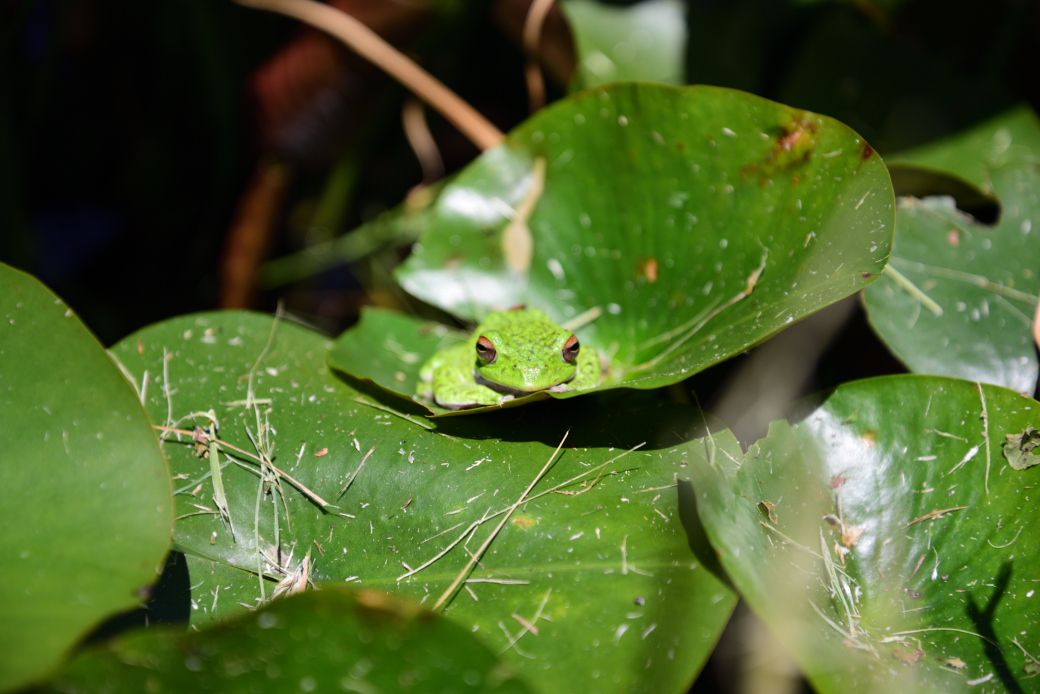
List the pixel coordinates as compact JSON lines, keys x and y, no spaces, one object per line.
{"x":900,"y":556}
{"x":619,"y":573}
{"x":78,"y":455}
{"x":645,"y":41}
{"x":689,"y":224}
{"x":958,"y":298}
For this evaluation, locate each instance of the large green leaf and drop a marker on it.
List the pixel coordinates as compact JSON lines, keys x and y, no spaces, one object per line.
{"x":78,"y":458}
{"x":959,"y":296}
{"x":661,"y":206}
{"x":389,"y":348}
{"x":884,"y":538}
{"x":631,"y":605}
{"x":643,"y":42}
{"x":317,"y":642}
{"x":217,"y":592}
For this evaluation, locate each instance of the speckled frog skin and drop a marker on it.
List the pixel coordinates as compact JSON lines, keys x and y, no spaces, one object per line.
{"x":510,"y":354}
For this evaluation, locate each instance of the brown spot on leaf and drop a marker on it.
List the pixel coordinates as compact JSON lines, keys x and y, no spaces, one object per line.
{"x":869,"y":437}
{"x":768,"y":509}
{"x":789,"y":140}
{"x":867,"y":275}
{"x":793,"y":147}
{"x":851,"y":536}
{"x":908,"y":657}
{"x":953,"y":238}
{"x":647,"y":267}
{"x":867,"y":151}
{"x":322,"y":452}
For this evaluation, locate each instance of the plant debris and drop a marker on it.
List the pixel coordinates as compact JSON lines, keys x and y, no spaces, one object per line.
{"x":1019,"y":449}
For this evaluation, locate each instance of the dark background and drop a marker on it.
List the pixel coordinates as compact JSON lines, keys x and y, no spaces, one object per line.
{"x":130,"y":131}
{"x":135,"y":138}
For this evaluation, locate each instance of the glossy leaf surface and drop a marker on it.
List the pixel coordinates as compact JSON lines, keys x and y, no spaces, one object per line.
{"x":643,"y":42}
{"x":77,"y":454}
{"x":657,"y":208}
{"x":612,"y":568}
{"x":960,"y":296}
{"x":316,"y":642}
{"x":884,"y":538}
{"x":389,"y":348}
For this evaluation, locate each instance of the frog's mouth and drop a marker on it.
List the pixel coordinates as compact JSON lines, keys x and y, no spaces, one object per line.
{"x":516,"y":392}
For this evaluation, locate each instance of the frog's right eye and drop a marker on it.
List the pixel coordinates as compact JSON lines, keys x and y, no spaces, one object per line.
{"x":486,"y":351}
{"x":570,"y":349}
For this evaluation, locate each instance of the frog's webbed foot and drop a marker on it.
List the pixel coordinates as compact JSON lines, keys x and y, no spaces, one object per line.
{"x":560,"y":388}
{"x":505,"y":399}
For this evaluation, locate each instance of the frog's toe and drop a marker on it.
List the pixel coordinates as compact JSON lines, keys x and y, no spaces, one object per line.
{"x":560,"y":388}
{"x":505,"y":399}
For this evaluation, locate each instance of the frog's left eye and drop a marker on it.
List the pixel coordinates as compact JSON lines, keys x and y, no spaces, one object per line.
{"x":486,"y":351}
{"x":570,"y":349}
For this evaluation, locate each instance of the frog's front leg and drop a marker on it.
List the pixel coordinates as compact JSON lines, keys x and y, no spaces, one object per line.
{"x":424,"y":388}
{"x":455,"y":389}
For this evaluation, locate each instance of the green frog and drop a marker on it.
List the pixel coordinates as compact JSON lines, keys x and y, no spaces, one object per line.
{"x":510,"y":354}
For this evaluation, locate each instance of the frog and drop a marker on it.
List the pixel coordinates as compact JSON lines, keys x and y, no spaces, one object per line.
{"x":510,"y":354}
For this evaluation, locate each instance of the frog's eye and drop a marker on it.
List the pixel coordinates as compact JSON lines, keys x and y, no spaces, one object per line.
{"x":570,"y":349}
{"x":486,"y":351}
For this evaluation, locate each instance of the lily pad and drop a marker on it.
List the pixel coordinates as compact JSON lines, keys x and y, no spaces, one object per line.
{"x":78,"y":455}
{"x":693,"y":222}
{"x":645,"y":41}
{"x":958,"y":297}
{"x":614,"y":568}
{"x":389,"y":348}
{"x":900,"y":553}
{"x":218,"y":592}
{"x":325,"y":641}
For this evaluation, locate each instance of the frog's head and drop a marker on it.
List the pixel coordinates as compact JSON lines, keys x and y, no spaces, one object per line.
{"x":526,"y":353}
